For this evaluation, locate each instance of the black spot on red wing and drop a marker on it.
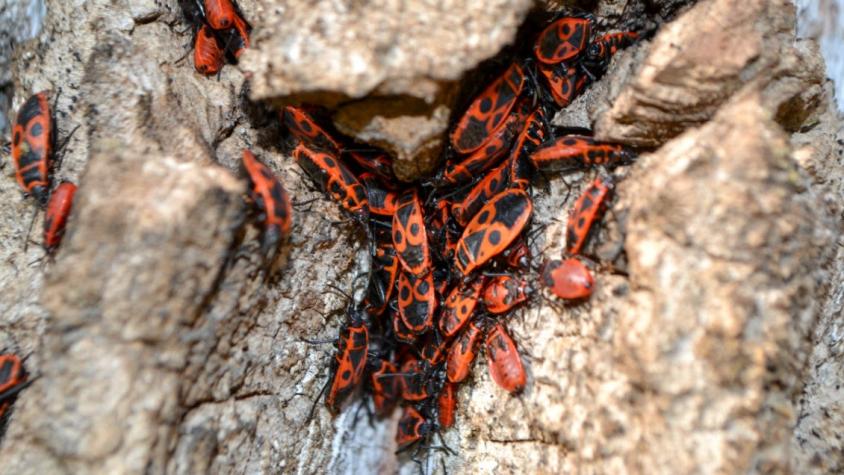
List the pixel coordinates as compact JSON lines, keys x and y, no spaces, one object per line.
{"x":335,"y":189}
{"x":581,"y":222}
{"x":414,"y":229}
{"x":17,"y":139}
{"x":30,"y":110}
{"x":483,"y":217}
{"x":485,"y":105}
{"x":423,"y":287}
{"x":398,"y":238}
{"x":586,"y":204}
{"x":305,"y":126}
{"x":346,"y":375}
{"x":570,"y":142}
{"x":494,"y":237}
{"x":36,"y":130}
{"x":404,"y":293}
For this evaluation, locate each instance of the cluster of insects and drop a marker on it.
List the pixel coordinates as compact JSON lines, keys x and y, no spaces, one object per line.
{"x":451,"y":257}
{"x":220,"y":33}
{"x":33,"y":154}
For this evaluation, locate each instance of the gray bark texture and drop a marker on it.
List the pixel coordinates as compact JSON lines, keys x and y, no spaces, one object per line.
{"x":713,"y":342}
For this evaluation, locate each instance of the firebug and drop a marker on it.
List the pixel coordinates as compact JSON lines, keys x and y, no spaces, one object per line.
{"x":208,"y":54}
{"x":571,"y":152}
{"x":462,"y":352}
{"x":562,"y":40}
{"x":488,"y":111}
{"x":33,"y":140}
{"x":270,"y":197}
{"x":568,"y":280}
{"x":587,"y":210}
{"x":334,"y":178}
{"x":410,"y":237}
{"x":349,"y":361}
{"x":505,"y":364}
{"x":55,"y":218}
{"x":492,"y":230}
{"x":447,"y":405}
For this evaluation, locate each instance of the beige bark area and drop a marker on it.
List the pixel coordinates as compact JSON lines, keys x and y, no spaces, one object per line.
{"x":710,"y":346}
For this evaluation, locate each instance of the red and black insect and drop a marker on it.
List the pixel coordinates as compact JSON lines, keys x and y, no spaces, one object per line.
{"x":492,"y":230}
{"x":412,"y":428}
{"x":13,"y":379}
{"x":462,"y":352}
{"x":488,"y":111}
{"x":208,"y":53}
{"x":410,"y":237}
{"x":568,"y":280}
{"x":302,"y":125}
{"x":385,"y":387}
{"x":417,"y":301}
{"x":587,"y":210}
{"x":349,"y":361}
{"x":55,"y":218}
{"x":272,"y":200}
{"x":563,"y":40}
{"x":460,"y":306}
{"x":504,"y":292}
{"x":33,"y":141}
{"x":505,"y":364}
{"x":334,"y":178}
{"x":571,"y":152}
{"x":447,"y":405}
{"x":601,"y":50}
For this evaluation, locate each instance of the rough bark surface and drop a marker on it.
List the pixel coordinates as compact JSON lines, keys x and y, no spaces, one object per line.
{"x":711,"y":345}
